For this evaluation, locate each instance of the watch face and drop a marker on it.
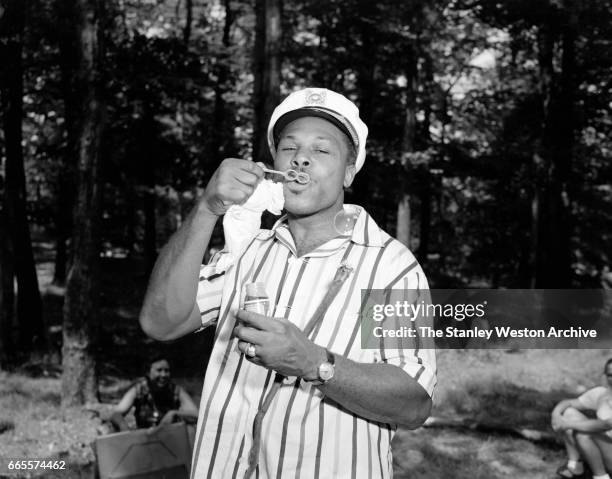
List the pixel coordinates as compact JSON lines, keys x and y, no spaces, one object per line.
{"x":326,"y":371}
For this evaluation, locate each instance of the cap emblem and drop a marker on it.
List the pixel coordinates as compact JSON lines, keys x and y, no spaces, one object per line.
{"x":315,"y":97}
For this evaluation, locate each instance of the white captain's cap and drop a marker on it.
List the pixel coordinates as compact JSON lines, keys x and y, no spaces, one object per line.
{"x":327,"y":104}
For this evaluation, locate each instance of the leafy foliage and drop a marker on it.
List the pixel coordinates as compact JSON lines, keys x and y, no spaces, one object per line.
{"x":177,"y":106}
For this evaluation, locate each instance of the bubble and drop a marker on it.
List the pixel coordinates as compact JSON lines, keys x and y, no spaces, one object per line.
{"x":345,"y":219}
{"x":299,"y":176}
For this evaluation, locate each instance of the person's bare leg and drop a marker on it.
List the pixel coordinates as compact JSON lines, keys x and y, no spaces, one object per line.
{"x":604,"y":443}
{"x":590,"y":452}
{"x":574,"y":460}
{"x":573,"y":454}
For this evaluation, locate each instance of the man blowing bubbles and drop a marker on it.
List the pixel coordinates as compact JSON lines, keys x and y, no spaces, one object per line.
{"x":337,"y":405}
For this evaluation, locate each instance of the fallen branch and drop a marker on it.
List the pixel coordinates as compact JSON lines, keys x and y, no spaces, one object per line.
{"x":533,"y":435}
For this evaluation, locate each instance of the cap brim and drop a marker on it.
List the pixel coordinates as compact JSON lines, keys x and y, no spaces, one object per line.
{"x":287,"y":118}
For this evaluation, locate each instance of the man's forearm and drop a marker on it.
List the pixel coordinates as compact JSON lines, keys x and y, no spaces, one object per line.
{"x":170,"y":297}
{"x":381,"y":392}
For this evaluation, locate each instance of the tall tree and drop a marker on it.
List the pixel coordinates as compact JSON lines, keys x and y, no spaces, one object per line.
{"x":79,"y":381}
{"x":7,"y":291}
{"x":65,"y":188}
{"x":29,"y":305}
{"x":221,"y":144}
{"x":267,"y":68}
{"x":408,"y":147}
{"x":551,"y":216}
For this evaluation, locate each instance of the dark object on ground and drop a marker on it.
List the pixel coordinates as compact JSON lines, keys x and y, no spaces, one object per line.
{"x":6,"y":425}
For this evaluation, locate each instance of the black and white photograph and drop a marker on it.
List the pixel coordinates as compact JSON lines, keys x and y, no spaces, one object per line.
{"x":306,"y":239}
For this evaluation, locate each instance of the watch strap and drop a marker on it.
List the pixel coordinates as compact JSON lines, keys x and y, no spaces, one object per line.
{"x":330,"y":357}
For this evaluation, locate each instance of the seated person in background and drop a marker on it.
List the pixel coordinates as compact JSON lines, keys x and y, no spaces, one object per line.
{"x":156,"y":400}
{"x":586,"y":427}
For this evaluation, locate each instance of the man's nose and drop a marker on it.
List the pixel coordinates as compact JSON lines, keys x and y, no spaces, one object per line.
{"x":300,"y":160}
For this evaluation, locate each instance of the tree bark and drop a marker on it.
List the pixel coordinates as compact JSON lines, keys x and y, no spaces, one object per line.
{"x":403,"y":220}
{"x":222,"y":135}
{"x":551,"y":229}
{"x":188,"y":22}
{"x":267,"y":70}
{"x":7,"y":293}
{"x":79,"y":381}
{"x":29,"y":306}
{"x":425,"y":194}
{"x":65,"y":187}
{"x":366,"y":84}
{"x":149,"y":158}
{"x":560,"y":268}
{"x":408,"y":146}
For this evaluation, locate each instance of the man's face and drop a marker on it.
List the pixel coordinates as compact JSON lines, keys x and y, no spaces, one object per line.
{"x":159,"y":374}
{"x":317,"y":147}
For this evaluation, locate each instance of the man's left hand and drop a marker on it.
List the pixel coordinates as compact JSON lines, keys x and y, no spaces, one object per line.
{"x":279,"y":345}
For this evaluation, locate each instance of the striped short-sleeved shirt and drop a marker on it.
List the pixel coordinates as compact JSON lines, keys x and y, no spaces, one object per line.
{"x":304,"y":435}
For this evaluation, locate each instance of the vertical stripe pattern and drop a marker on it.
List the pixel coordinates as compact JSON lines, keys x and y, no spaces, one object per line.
{"x":304,"y":434}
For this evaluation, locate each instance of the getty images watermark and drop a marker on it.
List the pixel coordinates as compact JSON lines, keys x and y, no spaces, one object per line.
{"x":486,"y":318}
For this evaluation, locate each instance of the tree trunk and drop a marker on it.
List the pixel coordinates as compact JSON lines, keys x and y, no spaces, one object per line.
{"x":29,"y":305}
{"x":551,"y":232}
{"x":130,"y":214}
{"x":79,"y":381}
{"x":65,"y":188}
{"x":188,"y":22}
{"x":7,"y":293}
{"x":408,"y":146}
{"x":366,"y":84}
{"x":149,"y":158}
{"x":63,"y":226}
{"x":222,"y":135}
{"x":425,"y":195}
{"x":403,"y":220}
{"x":267,"y":71}
{"x":560,"y":267}
{"x":535,"y":227}
{"x":150,"y":228}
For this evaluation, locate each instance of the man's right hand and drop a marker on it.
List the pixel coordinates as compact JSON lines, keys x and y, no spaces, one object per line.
{"x":231,"y":184}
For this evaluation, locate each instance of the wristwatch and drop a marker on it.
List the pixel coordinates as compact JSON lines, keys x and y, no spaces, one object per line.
{"x":326,"y":369}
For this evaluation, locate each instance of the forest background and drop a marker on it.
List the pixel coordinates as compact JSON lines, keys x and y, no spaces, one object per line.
{"x":489,"y":152}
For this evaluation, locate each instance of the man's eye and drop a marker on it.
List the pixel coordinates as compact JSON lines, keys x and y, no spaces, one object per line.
{"x":288,"y":148}
{"x":321,"y":150}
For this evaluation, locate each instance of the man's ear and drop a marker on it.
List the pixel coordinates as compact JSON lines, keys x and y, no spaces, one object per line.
{"x":349,"y":175}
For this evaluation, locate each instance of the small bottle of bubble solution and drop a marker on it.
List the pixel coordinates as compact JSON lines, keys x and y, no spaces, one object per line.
{"x":256,"y":299}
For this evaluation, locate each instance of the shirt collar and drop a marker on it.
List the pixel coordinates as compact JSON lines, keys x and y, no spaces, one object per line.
{"x":366,"y":232}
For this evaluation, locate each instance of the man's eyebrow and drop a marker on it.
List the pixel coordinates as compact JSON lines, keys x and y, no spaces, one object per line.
{"x":291,"y":137}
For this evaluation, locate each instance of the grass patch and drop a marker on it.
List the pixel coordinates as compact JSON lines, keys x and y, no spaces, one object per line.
{"x":41,"y":428}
